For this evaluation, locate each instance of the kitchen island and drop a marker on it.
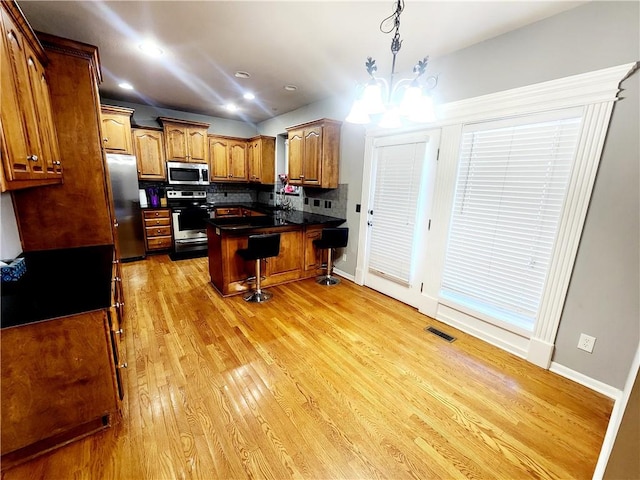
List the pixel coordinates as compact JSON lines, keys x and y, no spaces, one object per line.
{"x":298,"y":256}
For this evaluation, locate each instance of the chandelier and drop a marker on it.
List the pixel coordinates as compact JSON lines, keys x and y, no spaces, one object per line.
{"x":388,"y":103}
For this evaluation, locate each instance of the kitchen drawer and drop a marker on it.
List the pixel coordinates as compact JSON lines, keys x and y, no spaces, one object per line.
{"x":159,"y":231}
{"x":228,"y":212}
{"x":157,"y":222}
{"x":158,"y":243}
{"x":150,"y":214}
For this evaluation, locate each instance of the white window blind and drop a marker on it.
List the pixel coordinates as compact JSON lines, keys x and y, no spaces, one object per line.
{"x":510,"y":190}
{"x":395,"y":205}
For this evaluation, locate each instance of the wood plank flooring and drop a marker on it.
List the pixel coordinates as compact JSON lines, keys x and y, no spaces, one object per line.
{"x":320,"y":383}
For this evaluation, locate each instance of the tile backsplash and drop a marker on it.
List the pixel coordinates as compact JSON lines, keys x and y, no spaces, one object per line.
{"x":332,"y":202}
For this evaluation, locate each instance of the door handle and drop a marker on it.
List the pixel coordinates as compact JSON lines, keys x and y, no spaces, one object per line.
{"x":370,"y":224}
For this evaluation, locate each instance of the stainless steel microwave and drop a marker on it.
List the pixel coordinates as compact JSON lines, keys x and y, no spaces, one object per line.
{"x":180,"y":173}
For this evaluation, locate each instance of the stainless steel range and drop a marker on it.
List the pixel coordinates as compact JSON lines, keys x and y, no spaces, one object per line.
{"x":189,"y":211}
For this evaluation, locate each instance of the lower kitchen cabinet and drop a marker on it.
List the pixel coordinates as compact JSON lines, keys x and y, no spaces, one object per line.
{"x":62,"y":356}
{"x":57,"y":381}
{"x":157,"y":229}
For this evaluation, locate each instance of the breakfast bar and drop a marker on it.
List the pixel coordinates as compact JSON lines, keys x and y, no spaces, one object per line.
{"x":298,"y":258}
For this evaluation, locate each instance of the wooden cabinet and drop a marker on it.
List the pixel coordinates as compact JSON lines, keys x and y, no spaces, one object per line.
{"x":117,"y":328}
{"x":239,"y":160}
{"x":116,"y":129}
{"x":227,"y":159}
{"x":261,"y":157}
{"x":57,"y":377}
{"x":157,"y":229}
{"x":62,"y":375}
{"x":79,"y":212}
{"x":185,"y":141}
{"x":313,"y":257}
{"x":29,"y":142}
{"x":314,"y":154}
{"x":148,"y":147}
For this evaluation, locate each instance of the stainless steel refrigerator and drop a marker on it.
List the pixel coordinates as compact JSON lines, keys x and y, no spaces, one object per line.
{"x":123,"y":173}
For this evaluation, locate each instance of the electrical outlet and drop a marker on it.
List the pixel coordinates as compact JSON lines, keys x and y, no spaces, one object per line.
{"x":586,"y":343}
{"x":344,"y":257}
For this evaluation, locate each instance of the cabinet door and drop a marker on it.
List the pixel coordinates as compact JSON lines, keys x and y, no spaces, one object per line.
{"x":296,"y":152}
{"x":116,"y":131}
{"x":291,"y":255}
{"x":254,"y":161}
{"x":312,"y":159}
{"x":218,"y":159}
{"x":176,"y":143}
{"x":312,"y":255}
{"x":57,"y":376}
{"x":15,"y":161}
{"x":197,"y":139}
{"x":149,"y":150}
{"x":20,"y":116}
{"x":238,"y":161}
{"x":49,"y":151}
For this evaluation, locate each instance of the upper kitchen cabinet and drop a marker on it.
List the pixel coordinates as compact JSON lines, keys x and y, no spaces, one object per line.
{"x":29,"y":146}
{"x":261,"y":157}
{"x":185,"y":141}
{"x":116,"y":129}
{"x":227,"y":159}
{"x":148,"y":147}
{"x":78,"y":212}
{"x":314,"y":153}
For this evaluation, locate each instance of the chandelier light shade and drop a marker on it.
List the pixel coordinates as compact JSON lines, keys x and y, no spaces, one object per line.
{"x":388,"y":103}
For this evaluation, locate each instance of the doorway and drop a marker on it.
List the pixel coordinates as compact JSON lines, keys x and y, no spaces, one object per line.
{"x":397,"y":197}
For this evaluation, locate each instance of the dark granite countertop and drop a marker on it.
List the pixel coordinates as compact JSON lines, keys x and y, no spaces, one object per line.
{"x":275,"y":218}
{"x":58,"y":283}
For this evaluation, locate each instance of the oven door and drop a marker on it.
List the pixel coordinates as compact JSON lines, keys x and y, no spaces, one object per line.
{"x":189,"y":228}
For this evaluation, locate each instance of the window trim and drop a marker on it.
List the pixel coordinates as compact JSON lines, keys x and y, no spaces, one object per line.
{"x":596,"y":92}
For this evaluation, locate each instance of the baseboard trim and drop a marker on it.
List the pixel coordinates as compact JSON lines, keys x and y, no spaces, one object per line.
{"x":346,"y":275}
{"x":596,"y":385}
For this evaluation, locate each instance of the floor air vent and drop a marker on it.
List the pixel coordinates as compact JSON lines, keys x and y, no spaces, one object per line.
{"x":439,"y":333}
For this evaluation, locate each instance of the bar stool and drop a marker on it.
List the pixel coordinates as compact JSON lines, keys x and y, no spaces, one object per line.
{"x":259,"y":248}
{"x":331,"y":238}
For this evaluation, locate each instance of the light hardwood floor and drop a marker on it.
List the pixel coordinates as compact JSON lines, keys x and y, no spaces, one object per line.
{"x":338,"y":382}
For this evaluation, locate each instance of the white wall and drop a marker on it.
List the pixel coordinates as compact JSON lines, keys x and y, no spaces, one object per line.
{"x":10,"y":246}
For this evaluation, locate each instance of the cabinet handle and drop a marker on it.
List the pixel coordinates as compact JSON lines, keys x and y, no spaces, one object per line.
{"x":105,"y":139}
{"x":115,"y":262}
{"x":301,"y":176}
{"x":33,"y":158}
{"x":230,"y":176}
{"x":57,"y":162}
{"x":158,"y":230}
{"x":118,"y":305}
{"x":124,"y":365}
{"x":157,"y":213}
{"x":115,"y":224}
{"x":117,"y":279}
{"x":119,"y":331}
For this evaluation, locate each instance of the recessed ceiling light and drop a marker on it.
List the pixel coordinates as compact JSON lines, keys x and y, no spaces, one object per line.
{"x":231,"y":107}
{"x":125,"y":86}
{"x":241,"y":74}
{"x":249,"y":96}
{"x":290,"y":88}
{"x":150,"y":48}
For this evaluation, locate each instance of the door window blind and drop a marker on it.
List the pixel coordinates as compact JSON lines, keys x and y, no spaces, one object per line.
{"x":395,"y":206}
{"x":509,"y":194}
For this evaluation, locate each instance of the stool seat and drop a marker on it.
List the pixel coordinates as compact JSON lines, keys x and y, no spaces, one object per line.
{"x":258,"y":248}
{"x":331,"y":238}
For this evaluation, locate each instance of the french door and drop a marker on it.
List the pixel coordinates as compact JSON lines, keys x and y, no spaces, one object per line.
{"x":400,"y":184}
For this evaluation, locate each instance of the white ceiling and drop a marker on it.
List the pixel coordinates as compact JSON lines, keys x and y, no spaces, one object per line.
{"x":318,"y":46}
